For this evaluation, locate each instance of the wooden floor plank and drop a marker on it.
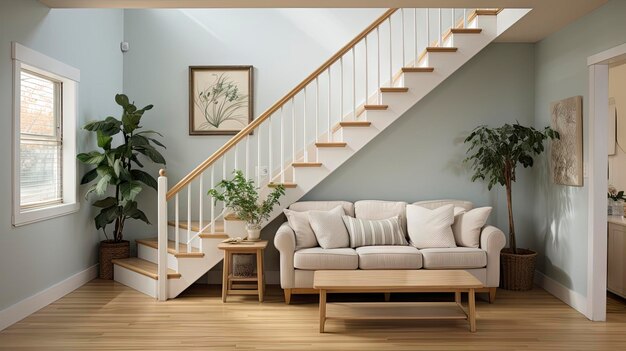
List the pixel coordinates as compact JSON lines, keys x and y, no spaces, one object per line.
{"x":105,"y":315}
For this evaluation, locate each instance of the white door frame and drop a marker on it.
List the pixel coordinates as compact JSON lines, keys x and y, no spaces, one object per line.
{"x":598,"y":182}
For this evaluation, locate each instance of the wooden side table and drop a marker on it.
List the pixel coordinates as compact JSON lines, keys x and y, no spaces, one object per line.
{"x":228,"y":279}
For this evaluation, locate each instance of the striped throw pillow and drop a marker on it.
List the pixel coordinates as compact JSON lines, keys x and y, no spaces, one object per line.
{"x":367,"y":232}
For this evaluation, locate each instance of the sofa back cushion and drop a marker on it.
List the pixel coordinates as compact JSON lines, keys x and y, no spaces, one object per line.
{"x":371,"y":232}
{"x":302,"y":206}
{"x":376,"y":209}
{"x":433,"y":204}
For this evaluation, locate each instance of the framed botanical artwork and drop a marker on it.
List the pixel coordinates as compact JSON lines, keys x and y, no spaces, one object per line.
{"x":220,"y":99}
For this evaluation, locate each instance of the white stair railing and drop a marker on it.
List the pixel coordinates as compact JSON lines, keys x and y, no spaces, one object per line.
{"x":314,"y":106}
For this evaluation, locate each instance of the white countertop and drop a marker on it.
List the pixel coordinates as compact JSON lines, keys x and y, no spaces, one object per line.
{"x":619,"y":220}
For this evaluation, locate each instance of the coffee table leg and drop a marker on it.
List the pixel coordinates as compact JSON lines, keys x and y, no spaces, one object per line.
{"x":472,"y":310}
{"x":322,"y":309}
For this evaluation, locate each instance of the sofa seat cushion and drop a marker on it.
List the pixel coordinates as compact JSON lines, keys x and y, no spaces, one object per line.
{"x":389,"y":257}
{"x":317,"y":258}
{"x":454,"y":258}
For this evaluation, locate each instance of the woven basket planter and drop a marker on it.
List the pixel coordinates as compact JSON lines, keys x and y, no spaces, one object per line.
{"x":109,"y":251}
{"x":517,"y":270}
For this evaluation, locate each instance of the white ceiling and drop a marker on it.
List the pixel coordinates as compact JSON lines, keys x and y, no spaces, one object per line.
{"x":548,"y":16}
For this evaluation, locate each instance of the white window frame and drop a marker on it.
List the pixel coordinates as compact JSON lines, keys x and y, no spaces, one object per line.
{"x":31,"y":60}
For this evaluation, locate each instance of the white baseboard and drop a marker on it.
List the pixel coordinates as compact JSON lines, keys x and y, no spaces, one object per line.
{"x":271,"y":277}
{"x":563,"y":293}
{"x":30,"y":305}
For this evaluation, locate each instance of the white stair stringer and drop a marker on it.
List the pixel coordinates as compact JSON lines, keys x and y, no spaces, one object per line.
{"x":419,"y":84}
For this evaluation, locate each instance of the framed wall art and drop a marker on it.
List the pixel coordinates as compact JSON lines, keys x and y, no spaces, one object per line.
{"x":567,"y":152}
{"x":220,"y":99}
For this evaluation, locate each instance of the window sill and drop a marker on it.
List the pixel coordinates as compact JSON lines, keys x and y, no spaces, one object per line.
{"x":41,"y":214}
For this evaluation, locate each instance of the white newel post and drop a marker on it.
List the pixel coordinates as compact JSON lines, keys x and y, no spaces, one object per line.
{"x":162,"y":230}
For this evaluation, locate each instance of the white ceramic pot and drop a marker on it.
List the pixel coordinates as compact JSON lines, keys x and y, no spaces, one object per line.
{"x":254,"y":231}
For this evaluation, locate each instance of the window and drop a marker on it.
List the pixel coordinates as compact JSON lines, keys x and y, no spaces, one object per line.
{"x":44,"y":166}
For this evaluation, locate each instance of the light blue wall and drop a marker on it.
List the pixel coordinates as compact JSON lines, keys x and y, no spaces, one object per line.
{"x":560,"y":216}
{"x":37,"y":256}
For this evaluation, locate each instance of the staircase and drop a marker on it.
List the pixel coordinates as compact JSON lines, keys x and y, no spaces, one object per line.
{"x":309,"y":133}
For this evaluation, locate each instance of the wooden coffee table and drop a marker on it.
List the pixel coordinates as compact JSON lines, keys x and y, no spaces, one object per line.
{"x":393,"y":281}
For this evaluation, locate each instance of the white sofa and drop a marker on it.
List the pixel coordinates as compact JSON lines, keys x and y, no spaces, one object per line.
{"x":297,"y":267}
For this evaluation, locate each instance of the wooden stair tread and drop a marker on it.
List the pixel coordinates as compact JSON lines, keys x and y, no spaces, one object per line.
{"x":286,"y":185}
{"x":394,"y":89}
{"x":195,"y":227}
{"x":375,"y":107}
{"x":466,"y":30}
{"x":144,"y":267}
{"x":484,"y":12}
{"x":326,"y":144}
{"x":441,"y":49}
{"x":171,"y":248}
{"x":418,"y":69}
{"x":306,"y":164}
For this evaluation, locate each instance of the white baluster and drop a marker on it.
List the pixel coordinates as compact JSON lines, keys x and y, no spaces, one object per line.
{"x":390,"y":55}
{"x":306,"y":155}
{"x":188,"y":215}
{"x":247,"y":159}
{"x":427,"y":27}
{"x":177,"y":224}
{"x":317,"y":116}
{"x":258,"y":156}
{"x":330,"y":132}
{"x":212,"y":201}
{"x":366,"y":74}
{"x":378,"y":84}
{"x":236,"y":156}
{"x":282,"y":146}
{"x":293,"y":130}
{"x":200,"y":211}
{"x":162,"y":236}
{"x":464,"y":18}
{"x":416,"y":41}
{"x":402,"y":24}
{"x":452,"y":25}
{"x":353,"y":84}
{"x":439,"y":38}
{"x":270,"y":155}
{"x":341,"y":89}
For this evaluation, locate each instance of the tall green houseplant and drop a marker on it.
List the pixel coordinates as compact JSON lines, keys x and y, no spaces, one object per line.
{"x":495,"y":153}
{"x":117,"y":167}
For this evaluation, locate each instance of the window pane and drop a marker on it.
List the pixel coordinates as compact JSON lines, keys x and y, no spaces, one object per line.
{"x":37,"y":105}
{"x":40,"y":172}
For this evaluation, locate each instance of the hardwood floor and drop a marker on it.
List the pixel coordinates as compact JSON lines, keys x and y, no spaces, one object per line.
{"x":105,"y":315}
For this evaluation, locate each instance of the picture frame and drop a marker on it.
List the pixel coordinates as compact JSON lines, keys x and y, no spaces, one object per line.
{"x":567,"y":152}
{"x":220,"y":99}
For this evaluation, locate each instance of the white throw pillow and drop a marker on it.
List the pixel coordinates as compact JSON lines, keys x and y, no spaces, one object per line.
{"x":467,"y":226}
{"x":329,"y":229}
{"x":299,"y":222}
{"x":430,"y":228}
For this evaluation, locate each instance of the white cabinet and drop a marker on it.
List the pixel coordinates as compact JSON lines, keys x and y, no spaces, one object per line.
{"x":616,"y":270}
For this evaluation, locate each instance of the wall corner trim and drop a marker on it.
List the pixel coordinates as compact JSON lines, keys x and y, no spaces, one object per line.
{"x":563,"y":293}
{"x":34,"y":303}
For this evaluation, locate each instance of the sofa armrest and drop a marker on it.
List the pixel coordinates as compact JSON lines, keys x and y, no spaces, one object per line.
{"x":492,"y":240}
{"x":285,"y":242}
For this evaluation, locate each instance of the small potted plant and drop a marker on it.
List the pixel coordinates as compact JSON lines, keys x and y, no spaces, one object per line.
{"x":616,"y":201}
{"x":242,"y":197}
{"x":116,"y":168}
{"x":494,"y":154}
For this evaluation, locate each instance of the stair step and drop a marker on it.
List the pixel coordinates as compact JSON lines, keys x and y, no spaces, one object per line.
{"x":375,"y":107}
{"x":306,"y":164}
{"x":418,"y":69}
{"x":486,"y":12}
{"x":171,"y":248}
{"x":394,"y":89}
{"x":441,"y":49}
{"x":144,"y":267}
{"x":207,"y":234}
{"x":331,"y":144}
{"x":286,"y":185}
{"x":466,"y":30}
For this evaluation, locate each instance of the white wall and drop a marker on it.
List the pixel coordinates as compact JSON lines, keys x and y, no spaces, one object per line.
{"x":37,"y":256}
{"x":617,"y":162}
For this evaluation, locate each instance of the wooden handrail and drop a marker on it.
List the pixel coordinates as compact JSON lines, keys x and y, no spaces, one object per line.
{"x":265,"y":115}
